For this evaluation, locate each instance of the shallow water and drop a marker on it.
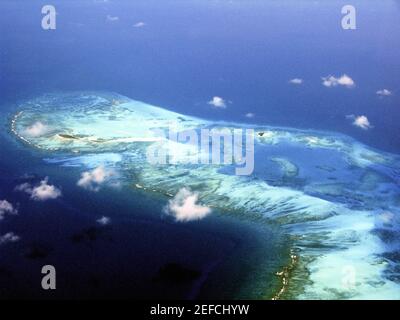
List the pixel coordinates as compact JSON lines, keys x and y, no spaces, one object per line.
{"x":124,"y":258}
{"x":321,"y":207}
{"x":330,"y":195}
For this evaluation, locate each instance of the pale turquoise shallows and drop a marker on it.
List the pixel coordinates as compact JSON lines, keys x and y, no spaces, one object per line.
{"x":334,"y":196}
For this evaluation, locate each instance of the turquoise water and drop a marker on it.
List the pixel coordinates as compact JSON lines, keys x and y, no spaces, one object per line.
{"x":321,"y":207}
{"x":335,"y":199}
{"x":235,"y":258}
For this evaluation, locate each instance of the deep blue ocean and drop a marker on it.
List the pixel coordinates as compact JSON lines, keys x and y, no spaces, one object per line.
{"x":185,"y":53}
{"x":190,"y":51}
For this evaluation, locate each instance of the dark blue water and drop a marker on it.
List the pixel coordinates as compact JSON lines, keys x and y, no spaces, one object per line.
{"x":224,"y":258}
{"x":141,"y":254}
{"x":190,"y":51}
{"x":187,"y":52}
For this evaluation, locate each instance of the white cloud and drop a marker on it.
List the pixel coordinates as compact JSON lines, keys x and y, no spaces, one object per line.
{"x":45,"y":191}
{"x":9,"y":237}
{"x":344,"y":80}
{"x":387,"y":217}
{"x":249,"y":115}
{"x":384,"y":92}
{"x":362,"y":122}
{"x":36,"y":130}
{"x":184,"y":206}
{"x":139,"y":24}
{"x":92,"y":180}
{"x":112,"y":19}
{"x":296,"y":81}
{"x":41,"y":192}
{"x":217,"y":102}
{"x":25,"y":187}
{"x":6,"y":208}
{"x":104,"y":221}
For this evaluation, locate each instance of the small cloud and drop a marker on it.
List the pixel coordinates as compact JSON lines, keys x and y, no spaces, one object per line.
{"x":36,"y":130}
{"x":344,"y":80}
{"x":45,"y":191}
{"x":218,"y":102}
{"x":25,"y":187}
{"x":139,"y":24}
{"x":111,"y":18}
{"x":41,"y":192}
{"x":9,"y":237}
{"x":384,"y":93}
{"x":296,"y":81}
{"x":184,"y":206}
{"x":249,"y":115}
{"x":104,"y":221}
{"x":362,"y":122}
{"x":6,"y":208}
{"x":387,"y":217}
{"x":92,"y":180}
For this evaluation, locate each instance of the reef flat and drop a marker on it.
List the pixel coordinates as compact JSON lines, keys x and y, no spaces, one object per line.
{"x":337,"y":199}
